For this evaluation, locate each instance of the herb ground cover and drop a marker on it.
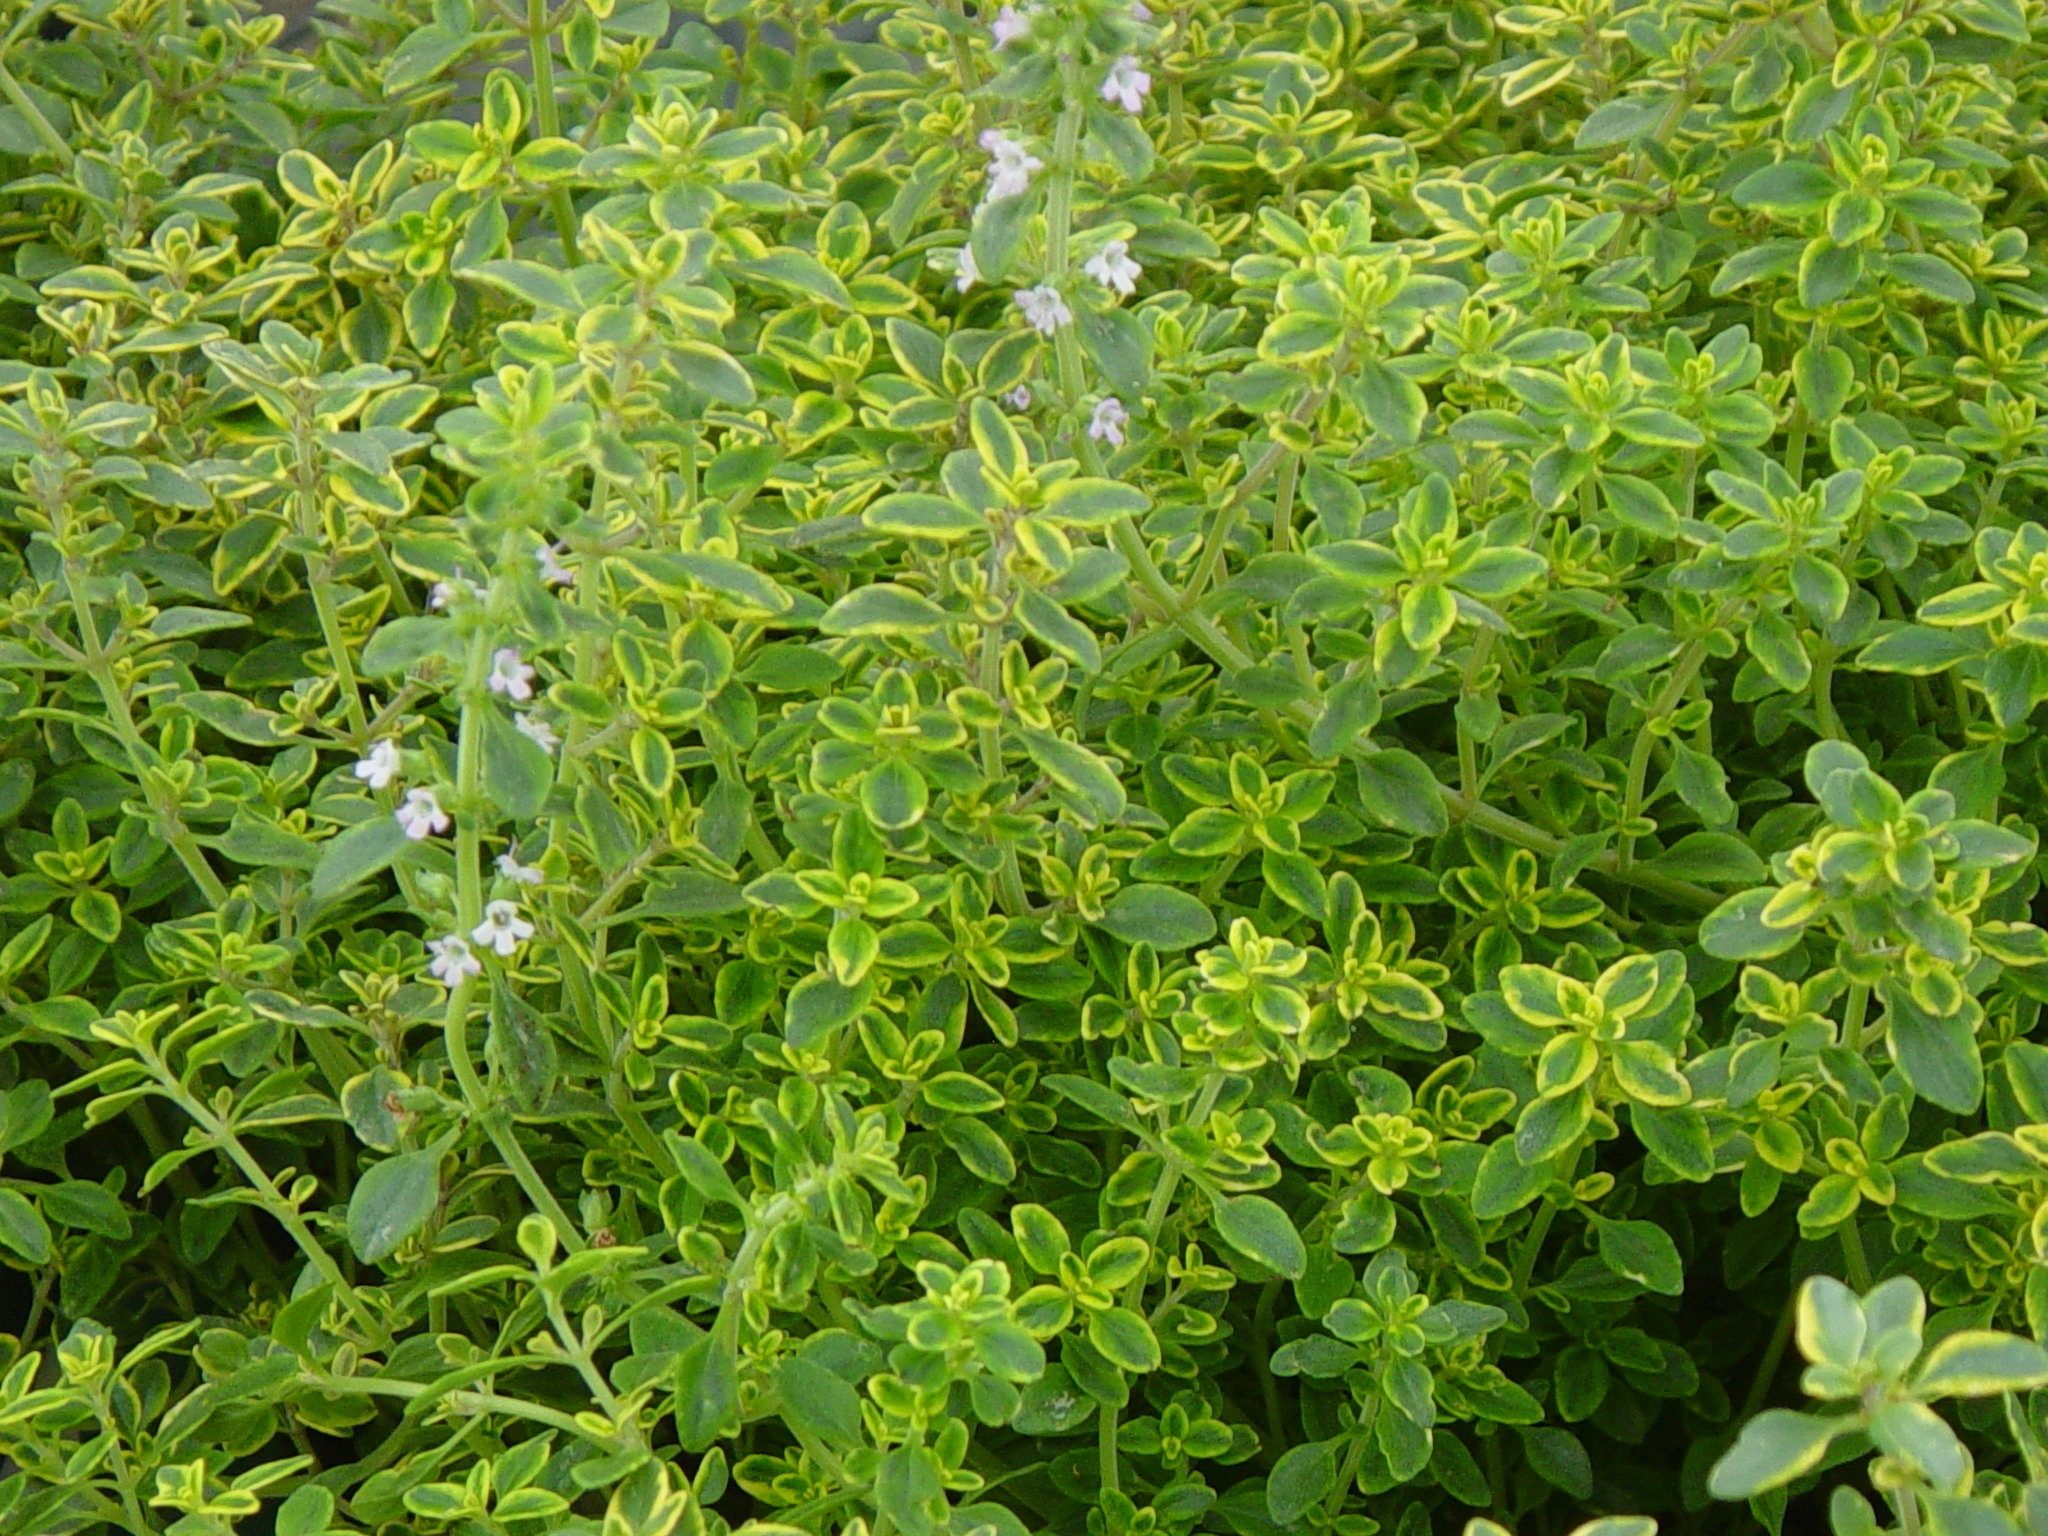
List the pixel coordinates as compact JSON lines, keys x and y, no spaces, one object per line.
{"x":935,"y":770}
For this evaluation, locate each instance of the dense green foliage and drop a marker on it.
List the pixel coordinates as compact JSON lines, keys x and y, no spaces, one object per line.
{"x":912,"y":770}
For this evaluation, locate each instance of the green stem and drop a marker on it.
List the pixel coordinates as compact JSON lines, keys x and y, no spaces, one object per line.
{"x":286,"y":1214}
{"x":1468,"y":748}
{"x":464,"y":1401}
{"x":1774,"y":1354}
{"x":1105,"y":1446}
{"x":122,"y":721}
{"x":1795,"y":444}
{"x":1987,"y":505}
{"x":1347,"y":1474}
{"x":1216,"y":541}
{"x":1134,"y":1294}
{"x":1853,"y":1256}
{"x":1690,"y":660}
{"x":25,"y":104}
{"x":124,"y":1474}
{"x":1824,"y":697}
{"x":547,"y":113}
{"x":963,"y":56}
{"x":469,"y":807}
{"x":1852,"y":1018}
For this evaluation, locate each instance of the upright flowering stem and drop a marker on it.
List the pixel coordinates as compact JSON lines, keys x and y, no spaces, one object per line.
{"x":963,"y":58}
{"x":547,"y":116}
{"x":469,"y":881}
{"x":1059,"y":226}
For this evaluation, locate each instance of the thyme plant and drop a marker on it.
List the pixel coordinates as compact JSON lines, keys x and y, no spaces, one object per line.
{"x":935,"y":769}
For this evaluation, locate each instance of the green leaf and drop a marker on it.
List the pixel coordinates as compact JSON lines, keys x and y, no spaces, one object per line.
{"x":308,"y":1512}
{"x":1735,"y":930}
{"x":1643,"y":1252}
{"x":1505,"y":1183}
{"x":1980,"y":1363}
{"x":911,"y":516}
{"x":399,"y":645}
{"x":1773,"y":1449}
{"x":1259,"y":1229}
{"x":798,"y":273}
{"x":517,"y":772}
{"x":245,"y":549}
{"x":1919,"y":651}
{"x":353,"y":856}
{"x":1093,"y":503}
{"x":1777,"y":649}
{"x":884,"y":609}
{"x":1049,"y":622}
{"x":1159,"y":915}
{"x":1712,"y":858}
{"x":1931,"y":275}
{"x":818,"y":1403}
{"x":1559,"y":1457}
{"x":1398,"y":789}
{"x":1391,"y":402}
{"x":1125,"y":1340}
{"x":1791,"y":188}
{"x":711,"y":371}
{"x":1620,"y":120}
{"x":22,"y":1228}
{"x":1301,"y":1479}
{"x":391,"y":1202}
{"x":1078,"y":771}
{"x":1824,"y":377}
{"x":1937,"y":1054}
{"x":707,"y":1390}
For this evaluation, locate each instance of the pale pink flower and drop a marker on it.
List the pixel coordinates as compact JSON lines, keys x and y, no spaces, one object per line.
{"x":502,"y":929}
{"x":1010,"y":165}
{"x":510,"y":676}
{"x":1044,"y":308}
{"x":421,"y":815}
{"x":1113,"y":268}
{"x":1127,"y":85}
{"x":453,"y":962}
{"x":518,"y":873}
{"x":381,"y":766}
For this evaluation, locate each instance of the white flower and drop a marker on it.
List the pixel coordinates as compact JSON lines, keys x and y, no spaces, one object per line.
{"x":1019,"y":398}
{"x":445,"y":592}
{"x":1113,"y":268}
{"x":1140,"y":11}
{"x":965,"y":273}
{"x":421,"y":815}
{"x":552,"y":571}
{"x":1010,"y":165}
{"x":452,"y":960}
{"x":1011,"y":24}
{"x":1127,"y":85}
{"x":502,"y":929}
{"x":1107,"y":424}
{"x":518,"y":873}
{"x":1044,"y":308}
{"x":381,"y":766}
{"x":511,"y":676}
{"x":537,"y":731}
